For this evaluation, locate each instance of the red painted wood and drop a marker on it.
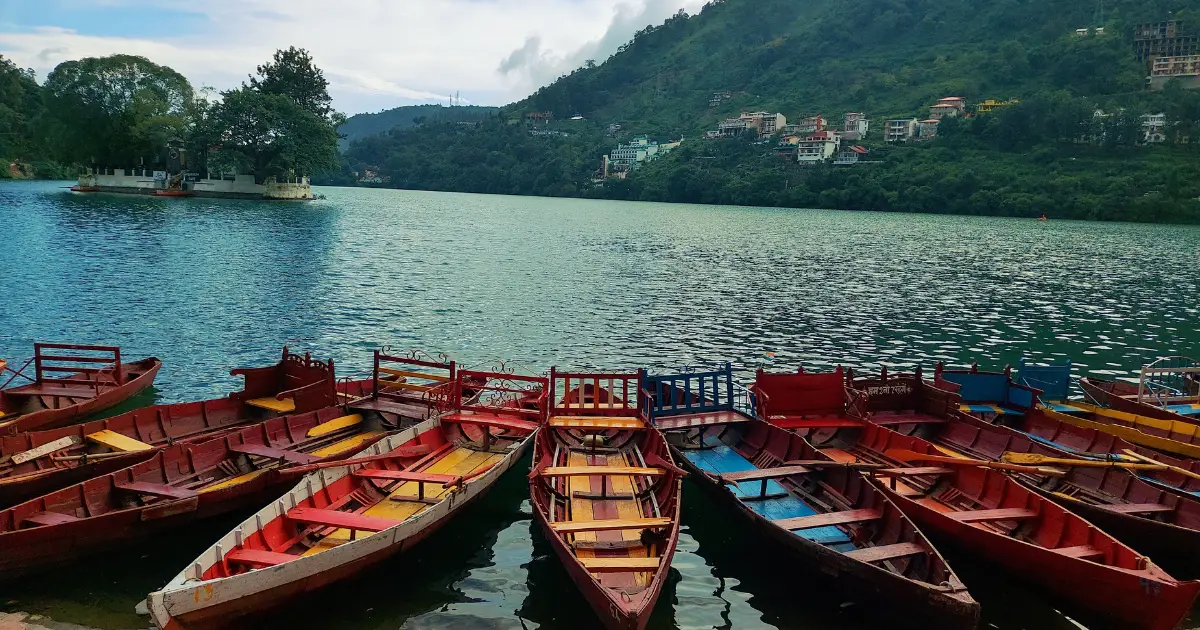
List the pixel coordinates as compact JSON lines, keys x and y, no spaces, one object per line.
{"x":345,"y":520}
{"x":258,"y":557}
{"x":492,"y":420}
{"x":404,"y":475}
{"x":50,"y":518}
{"x":156,"y":489}
{"x":274,"y":453}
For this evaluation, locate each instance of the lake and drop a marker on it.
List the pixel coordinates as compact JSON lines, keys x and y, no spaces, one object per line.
{"x":210,"y":285}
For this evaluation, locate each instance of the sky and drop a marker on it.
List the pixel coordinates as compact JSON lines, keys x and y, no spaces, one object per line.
{"x":376,"y":54}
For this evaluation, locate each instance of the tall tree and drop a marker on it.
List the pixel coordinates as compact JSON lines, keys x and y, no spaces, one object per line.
{"x":293,"y":74}
{"x":21,"y":113}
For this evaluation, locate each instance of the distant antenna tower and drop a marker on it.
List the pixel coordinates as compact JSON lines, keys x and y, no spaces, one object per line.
{"x":457,"y":99}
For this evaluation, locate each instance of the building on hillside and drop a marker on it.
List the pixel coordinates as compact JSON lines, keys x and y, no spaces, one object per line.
{"x":370,"y":176}
{"x":771,"y":123}
{"x":539,"y":116}
{"x":712,"y":135}
{"x":639,"y":150}
{"x":812,"y":124}
{"x":717,"y":98}
{"x":614,"y":129}
{"x":1154,"y":128}
{"x":1163,"y":39}
{"x":901,"y":129}
{"x":787,"y":146}
{"x":850,"y":156}
{"x":991,"y":105}
{"x":1084,"y":32}
{"x":927,"y":129}
{"x":855,"y":126}
{"x":817,"y":147}
{"x":1185,"y":69}
{"x":948,"y":106}
{"x":732,"y":127}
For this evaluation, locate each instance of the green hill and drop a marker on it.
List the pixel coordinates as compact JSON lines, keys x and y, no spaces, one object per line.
{"x":888,"y":58}
{"x":362,"y":125}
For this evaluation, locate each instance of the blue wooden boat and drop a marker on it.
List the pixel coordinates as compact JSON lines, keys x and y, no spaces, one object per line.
{"x":833,"y":519}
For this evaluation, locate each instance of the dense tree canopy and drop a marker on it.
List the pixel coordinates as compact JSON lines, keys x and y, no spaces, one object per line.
{"x":22,"y":113}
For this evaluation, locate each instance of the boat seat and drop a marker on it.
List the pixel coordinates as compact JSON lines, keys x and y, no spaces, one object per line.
{"x":700,"y":419}
{"x":893,"y":419}
{"x":118,"y":442}
{"x":1001,"y":514}
{"x":258,"y":557}
{"x":619,"y":565}
{"x":385,"y":384}
{"x":570,"y":527}
{"x":596,"y":422}
{"x":337,"y":424}
{"x":499,"y":421}
{"x":829,"y":518}
{"x":261,"y":450}
{"x":1063,"y":408}
{"x":587,"y":471}
{"x":406,"y":374}
{"x":270,"y":403}
{"x":885,"y":552}
{"x":404,"y":475}
{"x":156,"y":489}
{"x":1083,"y":552}
{"x":915,"y":471}
{"x":81,"y":391}
{"x":996,"y":409}
{"x":1137,"y":508}
{"x":764,"y":473}
{"x":616,"y":404}
{"x":1185,"y":410}
{"x":50,"y":518}
{"x":343,"y":520}
{"x":802,"y":422}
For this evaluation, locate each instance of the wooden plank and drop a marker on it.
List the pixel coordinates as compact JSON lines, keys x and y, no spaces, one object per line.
{"x":587,"y":471}
{"x":404,"y":475}
{"x":700,"y":419}
{"x":565,"y":527}
{"x":258,"y":557}
{"x":45,"y":449}
{"x":50,"y":518}
{"x":885,"y":552}
{"x":1083,"y":552}
{"x":412,"y":387}
{"x":118,"y":442}
{"x":156,"y":489}
{"x":619,"y":565}
{"x":915,"y":471}
{"x":596,"y":422}
{"x":414,"y":374}
{"x":800,"y":422}
{"x":68,"y":392}
{"x":344,"y":520}
{"x":829,"y":518}
{"x":1002,"y":514}
{"x":492,"y":420}
{"x":287,"y":405}
{"x":337,"y":424}
{"x":764,"y":473}
{"x":1137,"y":508}
{"x":260,"y":450}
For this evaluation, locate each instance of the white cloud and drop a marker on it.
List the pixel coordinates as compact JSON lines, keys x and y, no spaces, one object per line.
{"x":375,"y":53}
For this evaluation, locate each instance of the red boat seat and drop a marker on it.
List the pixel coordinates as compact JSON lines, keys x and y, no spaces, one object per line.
{"x":50,"y":518}
{"x":700,"y":419}
{"x":492,"y":420}
{"x":764,"y":473}
{"x":404,"y":475}
{"x":893,"y":419}
{"x":1002,"y":514}
{"x":258,"y":557}
{"x":156,"y":489}
{"x":344,"y":520}
{"x":800,"y":422}
{"x":587,"y":471}
{"x":619,"y":565}
{"x":1138,"y":508}
{"x":565,"y":527}
{"x":35,"y":389}
{"x":915,"y":471}
{"x":885,"y":552}
{"x":830,"y":518}
{"x":1083,"y":552}
{"x":261,"y":450}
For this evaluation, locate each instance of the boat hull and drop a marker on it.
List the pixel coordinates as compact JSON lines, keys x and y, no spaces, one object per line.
{"x":923,"y":606}
{"x":14,"y":490}
{"x":1116,"y":597}
{"x":215,"y":603}
{"x":54,"y":418}
{"x":1109,"y":394}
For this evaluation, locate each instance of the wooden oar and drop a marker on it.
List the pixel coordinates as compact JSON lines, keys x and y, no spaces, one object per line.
{"x":1183,"y":471}
{"x":906,"y":455}
{"x":1037,"y":459}
{"x":821,"y":463}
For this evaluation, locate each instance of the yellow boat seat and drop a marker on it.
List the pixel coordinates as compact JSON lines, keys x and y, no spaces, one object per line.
{"x":270,"y":403}
{"x":118,"y":442}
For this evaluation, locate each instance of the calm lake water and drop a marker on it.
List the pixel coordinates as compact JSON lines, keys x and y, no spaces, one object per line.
{"x":209,"y":285}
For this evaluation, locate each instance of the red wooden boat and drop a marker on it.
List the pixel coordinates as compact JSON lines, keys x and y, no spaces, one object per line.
{"x":34,"y":463}
{"x":606,"y":494}
{"x":829,"y":514}
{"x":341,"y":519}
{"x":992,"y":515}
{"x":1168,"y":388}
{"x":173,"y":193}
{"x":63,"y":392}
{"x":178,"y":484}
{"x":85,"y":189}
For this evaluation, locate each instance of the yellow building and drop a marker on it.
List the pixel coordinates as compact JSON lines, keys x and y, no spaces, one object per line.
{"x":992,"y":104}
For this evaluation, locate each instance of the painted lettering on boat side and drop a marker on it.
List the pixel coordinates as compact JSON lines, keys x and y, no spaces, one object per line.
{"x":883,"y":390}
{"x":203,"y":593}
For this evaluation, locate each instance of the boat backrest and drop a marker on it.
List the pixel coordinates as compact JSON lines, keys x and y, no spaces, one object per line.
{"x":597,"y":393}
{"x":975,"y":386}
{"x":690,"y":392}
{"x":1053,"y":380}
{"x":309,"y":383}
{"x":411,"y":378}
{"x":87,"y":364}
{"x":801,"y":393}
{"x":499,"y":393}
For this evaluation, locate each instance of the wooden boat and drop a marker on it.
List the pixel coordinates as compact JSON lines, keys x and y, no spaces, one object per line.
{"x":62,"y":391}
{"x":605,"y":493}
{"x":828,"y":514}
{"x":990,"y":514}
{"x":173,"y":193}
{"x":178,"y":484}
{"x":85,"y":189}
{"x":1168,"y":389}
{"x":338,"y":520}
{"x":34,"y":463}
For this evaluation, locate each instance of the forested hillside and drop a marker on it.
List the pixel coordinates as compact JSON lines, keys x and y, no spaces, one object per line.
{"x":888,"y":58}
{"x":362,"y":125}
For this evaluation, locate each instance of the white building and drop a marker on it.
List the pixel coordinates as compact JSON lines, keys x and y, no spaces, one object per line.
{"x":818,"y":147}
{"x":855,"y":126}
{"x":731,"y":127}
{"x":901,"y":129}
{"x":639,"y":150}
{"x":1154,"y":128}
